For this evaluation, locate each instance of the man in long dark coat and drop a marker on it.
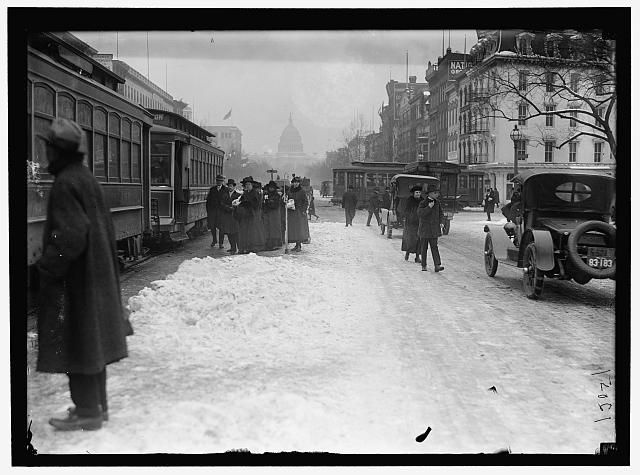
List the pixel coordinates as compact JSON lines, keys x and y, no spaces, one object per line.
{"x":385,"y":200}
{"x":247,"y":212}
{"x":81,"y":326}
{"x":227,"y":222}
{"x":349,"y":203}
{"x":271,"y":220}
{"x":432,"y":220}
{"x":374,"y":207}
{"x":410,"y":232}
{"x":489,"y":203}
{"x":213,"y":210}
{"x":297,"y":225}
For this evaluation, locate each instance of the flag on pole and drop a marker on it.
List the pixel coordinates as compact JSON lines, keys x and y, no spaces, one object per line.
{"x":227,"y":115}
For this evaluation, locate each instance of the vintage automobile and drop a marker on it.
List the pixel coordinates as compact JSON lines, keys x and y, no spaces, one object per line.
{"x":561,"y":229}
{"x":401,"y":185}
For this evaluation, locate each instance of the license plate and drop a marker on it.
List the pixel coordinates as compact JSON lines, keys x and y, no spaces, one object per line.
{"x":601,"y":257}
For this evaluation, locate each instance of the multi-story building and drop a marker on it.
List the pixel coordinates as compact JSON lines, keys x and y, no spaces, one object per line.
{"x":411,"y":126}
{"x":441,"y":82}
{"x":391,"y":114}
{"x":373,"y":147}
{"x":228,"y":138}
{"x":546,"y":84}
{"x":139,"y":89}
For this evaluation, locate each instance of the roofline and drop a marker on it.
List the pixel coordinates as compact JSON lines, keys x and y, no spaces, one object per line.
{"x":162,"y":111}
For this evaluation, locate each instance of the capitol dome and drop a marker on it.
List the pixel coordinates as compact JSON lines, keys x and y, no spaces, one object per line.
{"x":290,"y":140}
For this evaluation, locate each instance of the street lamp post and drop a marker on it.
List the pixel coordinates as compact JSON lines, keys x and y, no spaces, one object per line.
{"x":516,"y":136}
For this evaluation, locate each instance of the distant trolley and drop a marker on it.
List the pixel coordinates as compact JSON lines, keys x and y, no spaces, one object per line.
{"x":365,"y":177}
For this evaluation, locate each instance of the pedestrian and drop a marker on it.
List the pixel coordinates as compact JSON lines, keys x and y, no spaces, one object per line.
{"x":496,"y":196}
{"x":213,"y":210}
{"x":431,"y":222}
{"x":312,"y":207}
{"x":81,"y":322}
{"x":298,"y":227}
{"x":410,"y":232}
{"x":247,"y":212}
{"x":489,"y":203}
{"x":228,"y":223}
{"x":385,"y":201}
{"x":374,"y":207}
{"x":271,"y":217}
{"x":349,"y":203}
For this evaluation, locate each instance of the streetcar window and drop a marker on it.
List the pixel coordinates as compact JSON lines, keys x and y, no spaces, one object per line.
{"x":161,"y":163}
{"x":44,"y":101}
{"x":99,"y":155}
{"x":125,"y":161}
{"x":85,"y":117}
{"x":135,"y":163}
{"x":66,"y":107}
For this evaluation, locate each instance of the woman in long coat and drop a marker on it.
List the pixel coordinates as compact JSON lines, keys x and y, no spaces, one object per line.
{"x":247,"y":212}
{"x":227,"y":222}
{"x":410,"y":232}
{"x":298,"y":227}
{"x":271,"y":220}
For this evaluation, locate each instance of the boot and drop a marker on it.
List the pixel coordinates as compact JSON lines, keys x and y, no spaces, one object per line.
{"x":75,"y":422}
{"x":439,"y":268}
{"x":105,"y":414}
{"x":406,"y":256}
{"x":417,"y":259}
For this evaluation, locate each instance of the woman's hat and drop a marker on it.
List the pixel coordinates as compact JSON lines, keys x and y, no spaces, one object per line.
{"x":231,"y":181}
{"x":247,"y":179}
{"x":295,"y":179}
{"x":272,"y":183}
{"x":415,"y":188}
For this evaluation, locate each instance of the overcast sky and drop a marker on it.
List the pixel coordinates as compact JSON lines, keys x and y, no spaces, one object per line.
{"x":321,"y":77}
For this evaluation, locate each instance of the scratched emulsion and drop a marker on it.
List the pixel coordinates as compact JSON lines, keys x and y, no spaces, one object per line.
{"x":348,"y":348}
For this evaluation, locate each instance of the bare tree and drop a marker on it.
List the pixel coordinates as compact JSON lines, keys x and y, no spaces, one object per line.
{"x":580,"y":89}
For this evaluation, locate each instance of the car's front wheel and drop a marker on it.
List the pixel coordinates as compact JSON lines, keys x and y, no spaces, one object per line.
{"x":490,"y":261}
{"x":533,"y":278}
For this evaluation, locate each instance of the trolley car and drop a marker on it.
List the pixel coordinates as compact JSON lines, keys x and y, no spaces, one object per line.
{"x":63,"y":81}
{"x":183,"y":167}
{"x":364,"y":177}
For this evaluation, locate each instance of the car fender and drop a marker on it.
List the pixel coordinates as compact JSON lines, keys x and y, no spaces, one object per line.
{"x":544,"y":248}
{"x":500,"y":241}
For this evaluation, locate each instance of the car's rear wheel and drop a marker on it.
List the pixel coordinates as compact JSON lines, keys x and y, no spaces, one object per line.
{"x":490,"y":261}
{"x":533,"y":278}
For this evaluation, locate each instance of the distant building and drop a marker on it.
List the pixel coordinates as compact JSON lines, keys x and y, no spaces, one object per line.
{"x":139,"y":89}
{"x":228,"y":138}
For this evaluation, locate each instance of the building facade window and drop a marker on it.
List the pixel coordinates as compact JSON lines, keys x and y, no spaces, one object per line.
{"x":599,"y":84}
{"x":572,"y":120}
{"x":575,"y":79}
{"x":549,"y":117}
{"x":522,"y":80}
{"x":521,"y":149}
{"x":549,"y":79}
{"x":597,"y":152}
{"x":522,"y":114}
{"x":548,"y":150}
{"x":573,"y":151}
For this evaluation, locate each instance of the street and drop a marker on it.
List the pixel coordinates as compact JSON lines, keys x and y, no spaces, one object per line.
{"x":346,"y":347}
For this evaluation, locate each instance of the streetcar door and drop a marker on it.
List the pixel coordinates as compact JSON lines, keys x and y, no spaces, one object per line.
{"x":162,"y":180}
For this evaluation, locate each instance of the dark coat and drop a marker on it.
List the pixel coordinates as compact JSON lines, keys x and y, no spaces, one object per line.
{"x":374,"y":203}
{"x":213,"y":205}
{"x":489,"y":202}
{"x":81,"y":325}
{"x":271,"y":219}
{"x":430,"y":219}
{"x":312,"y":206}
{"x":250,"y":235}
{"x":385,"y":202}
{"x":410,"y":232}
{"x":297,"y":226}
{"x":349,"y":200}
{"x":227,"y":223}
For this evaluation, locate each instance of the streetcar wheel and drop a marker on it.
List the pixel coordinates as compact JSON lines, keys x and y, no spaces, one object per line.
{"x":490,"y":261}
{"x":533,"y":278}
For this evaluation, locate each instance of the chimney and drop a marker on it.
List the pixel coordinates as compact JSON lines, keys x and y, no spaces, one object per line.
{"x":412,"y":79}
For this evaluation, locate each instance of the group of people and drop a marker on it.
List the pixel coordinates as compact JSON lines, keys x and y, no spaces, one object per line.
{"x":424,"y":220}
{"x":254,"y":220}
{"x":490,"y":201}
{"x":375,"y":204}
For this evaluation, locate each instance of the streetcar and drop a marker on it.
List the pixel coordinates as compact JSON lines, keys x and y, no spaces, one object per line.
{"x":365,"y":177}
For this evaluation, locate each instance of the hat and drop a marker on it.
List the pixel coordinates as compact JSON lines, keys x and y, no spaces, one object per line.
{"x":386,"y":188}
{"x":65,"y":135}
{"x":431,"y":188}
{"x":219,"y":178}
{"x":295,"y":179}
{"x":247,"y":179}
{"x":415,"y":188}
{"x":272,"y":183}
{"x":231,"y":181}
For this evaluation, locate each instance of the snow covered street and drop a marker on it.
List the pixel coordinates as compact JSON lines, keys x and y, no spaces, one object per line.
{"x":345,"y":347}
